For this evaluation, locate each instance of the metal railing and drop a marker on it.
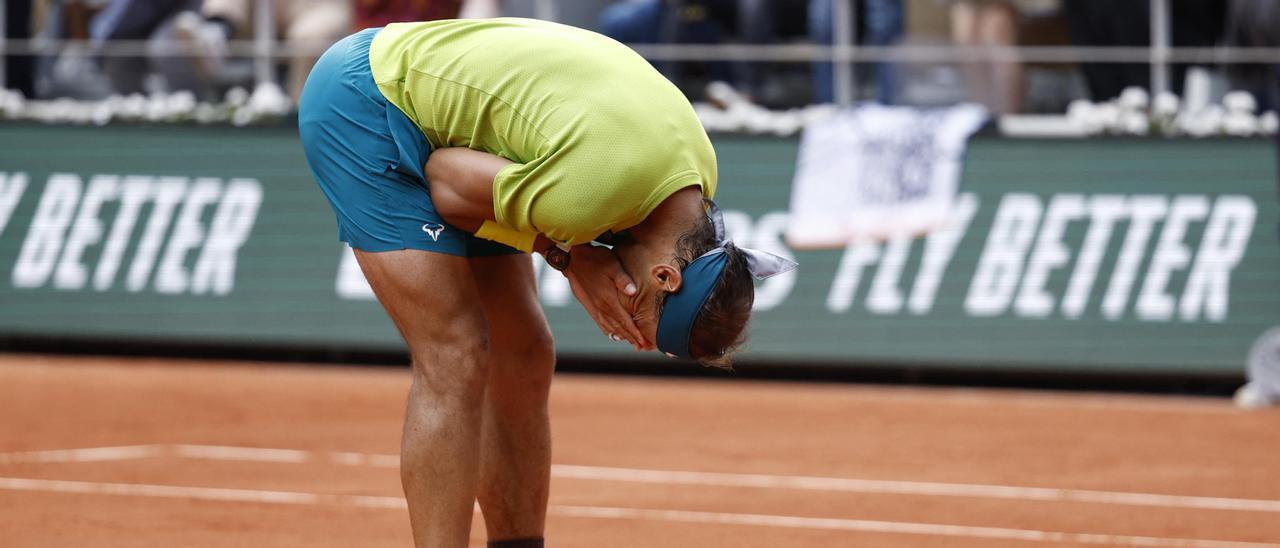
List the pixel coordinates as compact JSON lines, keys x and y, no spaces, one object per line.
{"x":783,"y":53}
{"x":265,"y":50}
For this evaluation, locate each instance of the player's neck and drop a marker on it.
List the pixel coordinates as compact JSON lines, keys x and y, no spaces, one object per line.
{"x":654,"y":241}
{"x":660,"y":231}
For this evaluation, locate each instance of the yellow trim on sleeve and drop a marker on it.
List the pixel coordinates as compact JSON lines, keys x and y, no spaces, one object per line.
{"x":491,"y":230}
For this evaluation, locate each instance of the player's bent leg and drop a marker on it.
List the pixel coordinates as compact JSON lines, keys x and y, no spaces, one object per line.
{"x":515,"y":461}
{"x":433,"y":301}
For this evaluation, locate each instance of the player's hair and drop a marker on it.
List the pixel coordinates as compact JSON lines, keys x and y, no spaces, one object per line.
{"x":720,"y":329}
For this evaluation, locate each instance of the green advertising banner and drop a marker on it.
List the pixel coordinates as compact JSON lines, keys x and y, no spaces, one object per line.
{"x":1098,"y":255}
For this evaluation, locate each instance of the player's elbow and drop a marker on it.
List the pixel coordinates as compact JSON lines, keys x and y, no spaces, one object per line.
{"x":461,"y":182}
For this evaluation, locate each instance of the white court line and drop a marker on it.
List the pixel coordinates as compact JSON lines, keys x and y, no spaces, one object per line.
{"x":90,"y":454}
{"x":909,"y":488}
{"x":171,"y":491}
{"x":791,"y":522}
{"x":362,"y":459}
{"x":673,"y":477}
{"x":808,"y":483}
{"x":255,"y":454}
{"x":258,"y":454}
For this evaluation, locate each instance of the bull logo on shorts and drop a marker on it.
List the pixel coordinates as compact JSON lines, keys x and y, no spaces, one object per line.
{"x":434,"y":229}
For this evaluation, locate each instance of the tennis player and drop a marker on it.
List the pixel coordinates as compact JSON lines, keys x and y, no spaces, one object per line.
{"x":452,"y":149}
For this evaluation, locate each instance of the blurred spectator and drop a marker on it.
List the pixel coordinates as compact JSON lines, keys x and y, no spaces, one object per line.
{"x":1255,"y":23}
{"x":997,"y":84}
{"x":880,"y":23}
{"x":766,"y":22}
{"x":63,"y":71}
{"x":378,"y":13}
{"x":71,"y":70}
{"x":671,"y":21}
{"x":1194,"y":23}
{"x":635,"y":21}
{"x":710,"y":22}
{"x":303,"y":24}
{"x":480,"y":9}
{"x":19,"y":70}
{"x":134,"y":20}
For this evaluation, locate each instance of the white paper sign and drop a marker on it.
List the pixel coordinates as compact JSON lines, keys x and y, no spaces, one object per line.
{"x":873,"y":172}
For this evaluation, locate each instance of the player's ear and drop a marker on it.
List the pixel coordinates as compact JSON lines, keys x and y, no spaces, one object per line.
{"x":667,"y":277}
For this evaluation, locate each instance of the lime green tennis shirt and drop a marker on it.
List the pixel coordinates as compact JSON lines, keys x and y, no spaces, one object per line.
{"x":599,"y":138}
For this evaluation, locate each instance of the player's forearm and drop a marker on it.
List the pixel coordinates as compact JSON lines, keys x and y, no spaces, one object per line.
{"x":461,"y":183}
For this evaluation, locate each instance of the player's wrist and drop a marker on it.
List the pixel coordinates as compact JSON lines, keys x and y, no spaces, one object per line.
{"x":556,"y":256}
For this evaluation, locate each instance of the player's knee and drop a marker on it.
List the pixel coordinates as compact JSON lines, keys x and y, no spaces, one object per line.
{"x":454,"y":362}
{"x":534,"y":346}
{"x":523,"y":369}
{"x":532,"y":351}
{"x":452,"y":374}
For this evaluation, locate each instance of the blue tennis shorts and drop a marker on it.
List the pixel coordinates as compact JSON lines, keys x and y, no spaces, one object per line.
{"x":369,"y":158}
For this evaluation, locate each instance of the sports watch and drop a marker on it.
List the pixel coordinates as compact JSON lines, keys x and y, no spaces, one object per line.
{"x":556,"y":257}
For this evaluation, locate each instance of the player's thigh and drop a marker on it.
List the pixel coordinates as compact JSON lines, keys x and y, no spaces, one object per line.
{"x":519,"y":337}
{"x":433,"y":300}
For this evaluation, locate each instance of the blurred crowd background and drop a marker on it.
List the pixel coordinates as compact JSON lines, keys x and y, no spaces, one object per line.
{"x":774,"y":53}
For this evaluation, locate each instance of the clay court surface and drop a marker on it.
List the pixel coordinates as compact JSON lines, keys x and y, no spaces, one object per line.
{"x":139,"y":452}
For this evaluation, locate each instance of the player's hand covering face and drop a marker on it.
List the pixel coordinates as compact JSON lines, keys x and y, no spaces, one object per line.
{"x":602,"y":286}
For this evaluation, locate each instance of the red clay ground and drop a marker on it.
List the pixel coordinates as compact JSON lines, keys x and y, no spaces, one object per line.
{"x":640,"y":462}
